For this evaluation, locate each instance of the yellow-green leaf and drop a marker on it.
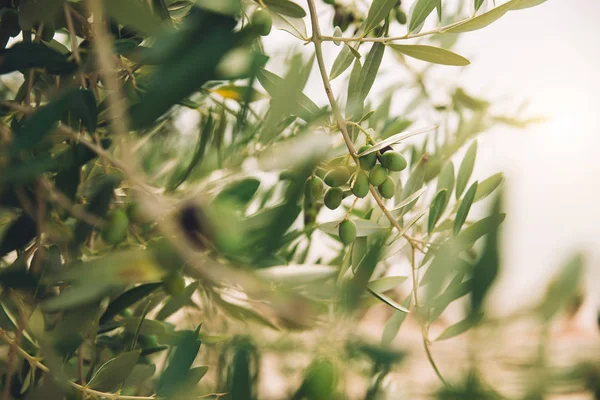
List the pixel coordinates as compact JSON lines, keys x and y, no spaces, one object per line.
{"x":464,"y":208}
{"x":482,"y":20}
{"x":431,"y":54}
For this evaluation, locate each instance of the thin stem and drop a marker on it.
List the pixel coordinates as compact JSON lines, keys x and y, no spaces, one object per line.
{"x":341,"y":124}
{"x":73,"y":38}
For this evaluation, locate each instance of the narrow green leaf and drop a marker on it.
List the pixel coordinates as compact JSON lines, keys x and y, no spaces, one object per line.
{"x":128,"y":299}
{"x":353,"y":93}
{"x":436,"y":209}
{"x":421,"y":11}
{"x":393,"y":140}
{"x":387,"y":300}
{"x":482,"y":20}
{"x":478,"y":4}
{"x":285,"y":7}
{"x":392,"y":327}
{"x":18,"y":234}
{"x":460,"y":327}
{"x":114,"y":372}
{"x":239,"y":193}
{"x":342,"y":61}
{"x":438,"y":7}
{"x":409,"y":199}
{"x":466,"y":169}
{"x":31,"y":13}
{"x":135,"y":13}
{"x":369,"y":69}
{"x":377,"y":12}
{"x":140,"y":374}
{"x":414,"y":183}
{"x":464,"y":208}
{"x":468,"y":236}
{"x":297,"y":275}
{"x":486,"y":187}
{"x":175,"y":303}
{"x":431,"y":54}
{"x":359,"y":249}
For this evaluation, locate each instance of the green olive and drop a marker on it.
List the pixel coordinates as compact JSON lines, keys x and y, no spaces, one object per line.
{"x":174,"y":284}
{"x":393,"y":161}
{"x":400,"y":16}
{"x":334,"y":197}
{"x":262,"y":22}
{"x":361,"y":185}
{"x":367,"y":162}
{"x":127,"y":313}
{"x":116,"y":227}
{"x":377,"y":175}
{"x":148,"y":341}
{"x":347,"y":231}
{"x":313,"y":189}
{"x":337,"y":176}
{"x":387,"y":188}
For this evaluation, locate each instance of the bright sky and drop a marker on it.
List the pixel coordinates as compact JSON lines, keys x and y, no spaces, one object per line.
{"x":549,"y":55}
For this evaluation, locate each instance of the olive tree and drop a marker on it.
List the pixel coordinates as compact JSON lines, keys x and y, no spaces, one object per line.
{"x":146,"y":256}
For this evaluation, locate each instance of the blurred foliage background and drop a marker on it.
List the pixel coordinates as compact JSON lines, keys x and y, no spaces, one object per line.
{"x":179,"y":219}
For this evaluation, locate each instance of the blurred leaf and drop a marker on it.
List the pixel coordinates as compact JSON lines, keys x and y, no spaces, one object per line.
{"x":285,"y":7}
{"x":22,"y":56}
{"x":19,"y":233}
{"x":460,"y":327}
{"x":359,"y":249}
{"x":446,"y":181}
{"x":297,"y":275}
{"x":134,"y":13}
{"x":274,"y":84}
{"x":382,"y":285}
{"x":342,"y":62}
{"x":238,"y":93}
{"x":31,"y":12}
{"x":363,"y":227}
{"x":468,"y":236}
{"x":239,"y":193}
{"x":466,"y":169}
{"x":377,"y":12}
{"x":455,"y":290}
{"x":80,"y":102}
{"x":392,"y":327}
{"x":395,"y":126}
{"x":462,"y":99}
{"x":430,"y":54}
{"x":486,"y":187}
{"x":562,"y":288}
{"x":140,"y":374}
{"x":487,"y":267}
{"x":127,"y":299}
{"x":186,"y":349}
{"x":521,"y":4}
{"x":114,"y":372}
{"x":420,"y":12}
{"x":175,"y":303}
{"x":414,"y":183}
{"x":481,"y":21}
{"x":97,"y":206}
{"x":436,"y":210}
{"x":478,"y":4}
{"x":464,"y":208}
{"x":390,"y":302}
{"x":27,"y":171}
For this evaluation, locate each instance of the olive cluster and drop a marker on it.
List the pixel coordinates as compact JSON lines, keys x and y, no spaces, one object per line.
{"x":373,"y":168}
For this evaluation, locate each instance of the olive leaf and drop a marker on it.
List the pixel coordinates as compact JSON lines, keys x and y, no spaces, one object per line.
{"x":430,"y":54}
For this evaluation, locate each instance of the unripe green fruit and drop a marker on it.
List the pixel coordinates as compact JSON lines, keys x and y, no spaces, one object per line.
{"x":174,"y":284}
{"x":377,"y":175}
{"x":400,"y":16}
{"x":367,"y":162}
{"x":387,"y":188}
{"x":262,"y":22}
{"x":127,"y":313}
{"x":333,"y":197}
{"x":148,"y":340}
{"x":313,"y":189}
{"x":393,"y":161}
{"x":116,"y":228}
{"x":347,"y":231}
{"x":361,"y":185}
{"x":337,"y":176}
